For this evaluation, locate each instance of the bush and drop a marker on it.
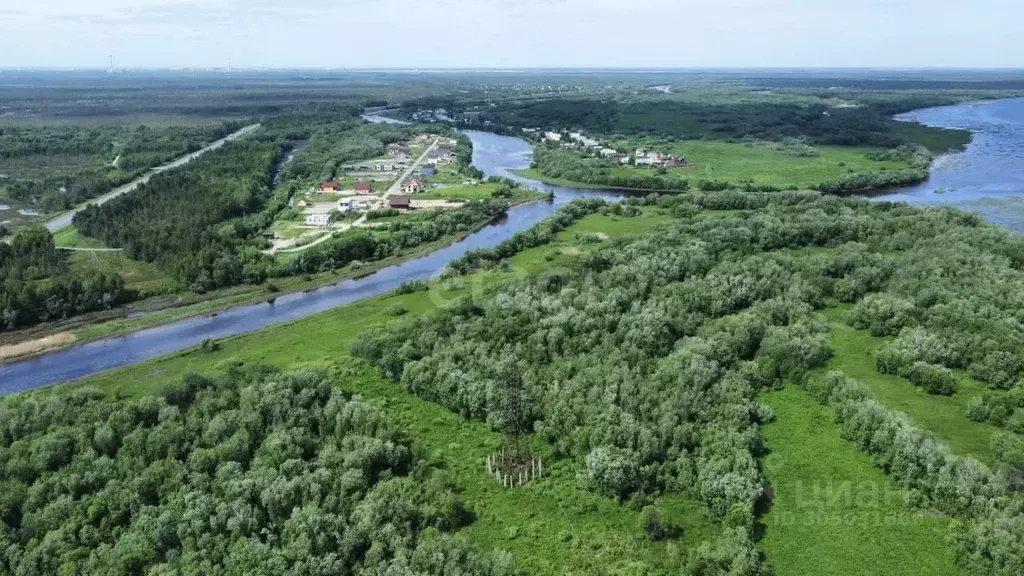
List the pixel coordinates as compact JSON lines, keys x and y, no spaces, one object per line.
{"x":653,"y":527}
{"x":209,"y":345}
{"x":977,"y":410}
{"x":611,"y":472}
{"x":883,"y":314}
{"x":934,"y":379}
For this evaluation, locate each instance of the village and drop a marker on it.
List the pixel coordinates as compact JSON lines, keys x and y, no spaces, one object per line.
{"x":598,"y":148}
{"x":417,"y":174}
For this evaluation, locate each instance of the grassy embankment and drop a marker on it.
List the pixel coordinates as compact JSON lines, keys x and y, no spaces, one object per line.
{"x":555,"y":526}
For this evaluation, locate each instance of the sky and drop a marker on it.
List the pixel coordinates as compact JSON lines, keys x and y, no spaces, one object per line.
{"x":511,"y":33}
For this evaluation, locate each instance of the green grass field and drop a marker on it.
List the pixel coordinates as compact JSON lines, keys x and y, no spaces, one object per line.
{"x":830,"y":499}
{"x":762,"y":164}
{"x":136,"y":274}
{"x":944,"y":416}
{"x":459,"y":191}
{"x":70,"y":237}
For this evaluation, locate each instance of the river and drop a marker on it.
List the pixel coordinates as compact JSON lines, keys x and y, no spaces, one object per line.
{"x":493,"y":154}
{"x":988,"y":176}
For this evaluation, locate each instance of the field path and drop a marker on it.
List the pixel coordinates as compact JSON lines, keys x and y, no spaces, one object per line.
{"x":64,"y":220}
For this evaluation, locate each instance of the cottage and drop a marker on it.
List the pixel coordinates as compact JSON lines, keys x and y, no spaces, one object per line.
{"x":412,"y":186}
{"x":329,"y":186}
{"x":319,"y":220}
{"x":363,"y":188}
{"x":400,"y":203}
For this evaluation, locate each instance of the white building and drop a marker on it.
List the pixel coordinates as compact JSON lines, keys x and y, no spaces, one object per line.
{"x":320,"y":220}
{"x":553,"y":136}
{"x":352,"y":205}
{"x":609,"y":152}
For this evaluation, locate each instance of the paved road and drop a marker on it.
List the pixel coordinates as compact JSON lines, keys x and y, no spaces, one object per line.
{"x":397,"y":185}
{"x":64,"y":219}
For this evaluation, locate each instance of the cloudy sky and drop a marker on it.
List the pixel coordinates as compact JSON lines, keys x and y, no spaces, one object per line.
{"x":511,"y":33}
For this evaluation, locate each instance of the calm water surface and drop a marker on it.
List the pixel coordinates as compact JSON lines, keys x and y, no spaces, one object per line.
{"x":988,"y":176}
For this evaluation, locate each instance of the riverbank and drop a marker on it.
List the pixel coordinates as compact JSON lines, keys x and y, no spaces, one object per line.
{"x":43,"y":339}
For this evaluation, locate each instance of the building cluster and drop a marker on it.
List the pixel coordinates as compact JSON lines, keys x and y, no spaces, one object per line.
{"x":641,"y":157}
{"x":645,"y":157}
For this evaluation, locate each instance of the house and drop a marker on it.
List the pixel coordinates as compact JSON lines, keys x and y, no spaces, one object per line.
{"x":428,"y":171}
{"x":399,"y":203}
{"x":384,"y":167}
{"x":672,"y":162}
{"x":412,"y":185}
{"x":363,"y":188}
{"x":353,"y":204}
{"x":329,"y":186}
{"x":320,"y":220}
{"x":609,"y":153}
{"x":399,"y":151}
{"x":553,"y":136}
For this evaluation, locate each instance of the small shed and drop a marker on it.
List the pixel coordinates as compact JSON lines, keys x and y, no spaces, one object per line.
{"x":329,"y":186}
{"x":363,"y":188}
{"x":400,"y":202}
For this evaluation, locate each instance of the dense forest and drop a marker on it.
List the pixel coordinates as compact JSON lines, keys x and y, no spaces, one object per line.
{"x":200,"y":222}
{"x":645,"y":360}
{"x":60,"y":166}
{"x":250,"y":472}
{"x":867,"y":124}
{"x":37,"y":285}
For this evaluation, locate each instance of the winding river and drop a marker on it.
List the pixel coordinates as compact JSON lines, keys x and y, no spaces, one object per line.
{"x":493,"y":154}
{"x":988,"y":176}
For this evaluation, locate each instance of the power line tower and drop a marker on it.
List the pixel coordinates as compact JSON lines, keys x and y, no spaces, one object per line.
{"x":513,"y":464}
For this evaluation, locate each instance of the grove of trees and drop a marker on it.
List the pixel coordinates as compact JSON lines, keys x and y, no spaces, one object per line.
{"x":87,"y":155}
{"x":36,"y":283}
{"x":250,"y":472}
{"x":644,"y":360}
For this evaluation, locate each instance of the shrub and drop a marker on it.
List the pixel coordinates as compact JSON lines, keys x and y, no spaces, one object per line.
{"x":883,"y":314}
{"x":977,"y":410}
{"x":934,"y":379}
{"x":611,"y":472}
